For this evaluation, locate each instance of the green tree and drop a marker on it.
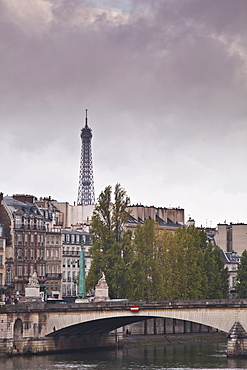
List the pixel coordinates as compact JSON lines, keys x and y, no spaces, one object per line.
{"x":241,"y":286}
{"x":110,"y":244}
{"x":144,"y":283}
{"x":216,"y":275}
{"x":189,"y":271}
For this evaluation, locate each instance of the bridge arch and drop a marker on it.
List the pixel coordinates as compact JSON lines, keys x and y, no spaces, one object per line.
{"x":107,"y":324}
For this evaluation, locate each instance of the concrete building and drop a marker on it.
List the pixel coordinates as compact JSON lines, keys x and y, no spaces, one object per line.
{"x":232,"y":237}
{"x":74,"y":215}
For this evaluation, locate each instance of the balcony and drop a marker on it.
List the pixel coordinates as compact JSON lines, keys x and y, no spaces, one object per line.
{"x":71,"y":253}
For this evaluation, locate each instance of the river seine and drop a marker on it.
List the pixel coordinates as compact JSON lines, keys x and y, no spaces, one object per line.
{"x":159,"y":357}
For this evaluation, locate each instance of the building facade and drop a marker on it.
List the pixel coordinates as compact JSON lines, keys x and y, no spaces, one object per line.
{"x":25,"y":243}
{"x":232,"y":237}
{"x":2,"y":263}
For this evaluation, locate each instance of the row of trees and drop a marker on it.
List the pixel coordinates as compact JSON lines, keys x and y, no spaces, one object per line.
{"x":151,"y":264}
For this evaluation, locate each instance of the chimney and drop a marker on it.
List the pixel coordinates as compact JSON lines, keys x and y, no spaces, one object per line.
{"x":24,"y":198}
{"x":1,"y":196}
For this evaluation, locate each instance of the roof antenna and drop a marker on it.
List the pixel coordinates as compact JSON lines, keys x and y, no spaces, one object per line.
{"x":86,"y":118}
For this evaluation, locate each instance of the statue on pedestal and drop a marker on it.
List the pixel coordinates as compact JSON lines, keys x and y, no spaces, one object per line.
{"x":101,"y":290}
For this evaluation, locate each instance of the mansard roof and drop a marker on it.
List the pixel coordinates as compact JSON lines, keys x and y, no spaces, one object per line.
{"x":28,"y":209}
{"x":133,"y":221}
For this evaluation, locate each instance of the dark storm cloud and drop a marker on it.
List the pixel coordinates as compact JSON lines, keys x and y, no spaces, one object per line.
{"x":165,"y":84}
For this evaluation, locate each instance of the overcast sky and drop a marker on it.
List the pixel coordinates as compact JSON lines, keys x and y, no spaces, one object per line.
{"x":165,"y":85}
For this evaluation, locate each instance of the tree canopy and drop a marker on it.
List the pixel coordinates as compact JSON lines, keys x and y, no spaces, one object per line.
{"x":151,"y":263}
{"x":241,"y":285}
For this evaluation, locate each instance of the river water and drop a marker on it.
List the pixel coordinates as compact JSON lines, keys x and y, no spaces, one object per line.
{"x":159,"y":357}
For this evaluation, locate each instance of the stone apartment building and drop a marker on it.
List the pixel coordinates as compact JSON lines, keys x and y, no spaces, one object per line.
{"x":2,"y":262}
{"x":53,"y":247}
{"x":167,"y":218}
{"x":25,"y":241}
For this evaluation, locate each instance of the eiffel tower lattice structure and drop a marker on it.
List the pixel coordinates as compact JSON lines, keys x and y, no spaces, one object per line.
{"x":86,"y":183}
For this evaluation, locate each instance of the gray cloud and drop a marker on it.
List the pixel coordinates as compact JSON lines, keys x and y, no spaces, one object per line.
{"x":165,"y":85}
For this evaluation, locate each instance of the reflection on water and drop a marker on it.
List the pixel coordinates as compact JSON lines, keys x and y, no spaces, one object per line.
{"x":160,"y":357}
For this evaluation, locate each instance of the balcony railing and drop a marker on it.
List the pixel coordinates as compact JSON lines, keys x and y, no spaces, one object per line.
{"x":71,"y":253}
{"x":30,"y":227}
{"x":53,"y":275}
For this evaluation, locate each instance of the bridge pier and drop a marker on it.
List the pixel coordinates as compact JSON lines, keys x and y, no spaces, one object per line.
{"x":237,"y":341}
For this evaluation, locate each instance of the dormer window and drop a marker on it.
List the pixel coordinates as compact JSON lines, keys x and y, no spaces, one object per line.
{"x":17,"y":222}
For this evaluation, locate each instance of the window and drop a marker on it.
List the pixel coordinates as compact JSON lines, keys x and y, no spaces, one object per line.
{"x":17,"y":222}
{"x":19,"y":239}
{"x":52,"y":240}
{"x":47,"y":240}
{"x":32,"y":240}
{"x":64,"y":262}
{"x":1,"y":243}
{"x":31,"y":223}
{"x":31,"y":270}
{"x":68,"y":263}
{"x":72,"y":238}
{"x":38,"y":239}
{"x":77,"y":238}
{"x":1,"y":279}
{"x":63,"y":238}
{"x":63,"y":289}
{"x":67,"y":238}
{"x":25,"y":239}
{"x":19,"y":253}
{"x":25,"y":223}
{"x":57,"y":240}
{"x":19,"y":270}
{"x":25,"y":270}
{"x":1,"y":262}
{"x":41,"y":239}
{"x":8,"y":275}
{"x":68,"y":290}
{"x":47,"y":253}
{"x":31,"y":253}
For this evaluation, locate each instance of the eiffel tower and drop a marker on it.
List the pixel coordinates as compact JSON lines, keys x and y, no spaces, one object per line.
{"x":86,"y":184}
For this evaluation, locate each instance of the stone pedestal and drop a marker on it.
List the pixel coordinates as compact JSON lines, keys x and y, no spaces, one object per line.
{"x":32,"y":290}
{"x":237,"y":341}
{"x":101,"y":290}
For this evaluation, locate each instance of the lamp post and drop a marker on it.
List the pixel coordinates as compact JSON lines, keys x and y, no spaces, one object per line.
{"x":81,"y":293}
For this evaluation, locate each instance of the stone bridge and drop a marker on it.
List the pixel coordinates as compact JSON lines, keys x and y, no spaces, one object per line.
{"x":40,"y":327}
